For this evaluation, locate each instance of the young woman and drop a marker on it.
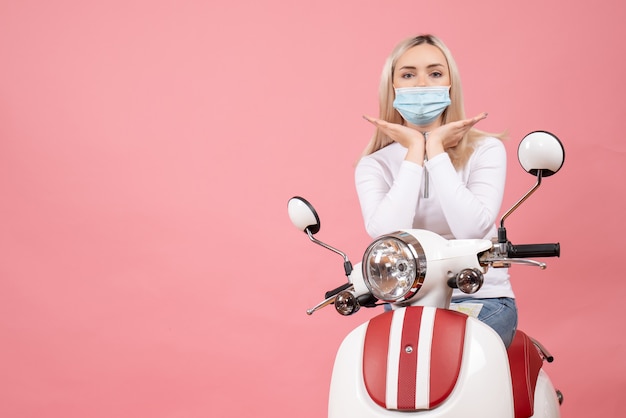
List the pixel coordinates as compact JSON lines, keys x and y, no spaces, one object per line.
{"x":427,"y":167}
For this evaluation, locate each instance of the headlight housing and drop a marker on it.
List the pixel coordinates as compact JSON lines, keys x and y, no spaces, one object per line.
{"x":394,"y":267}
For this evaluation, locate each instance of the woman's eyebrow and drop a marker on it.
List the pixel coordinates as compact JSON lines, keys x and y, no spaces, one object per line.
{"x":412,"y":67}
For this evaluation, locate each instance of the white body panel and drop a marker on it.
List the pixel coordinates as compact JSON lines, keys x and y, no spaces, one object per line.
{"x":546,"y":403}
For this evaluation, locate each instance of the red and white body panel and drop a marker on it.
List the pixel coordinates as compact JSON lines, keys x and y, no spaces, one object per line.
{"x":426,"y":362}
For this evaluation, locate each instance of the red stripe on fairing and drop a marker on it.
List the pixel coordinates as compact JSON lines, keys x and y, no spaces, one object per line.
{"x":408,"y":360}
{"x":375,"y":351}
{"x":446,"y":354}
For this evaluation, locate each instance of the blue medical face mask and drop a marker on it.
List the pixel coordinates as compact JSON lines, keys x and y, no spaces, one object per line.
{"x":421,"y":105}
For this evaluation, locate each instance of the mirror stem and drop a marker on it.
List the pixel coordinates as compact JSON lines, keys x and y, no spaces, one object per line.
{"x":347,"y":265}
{"x":502,"y":231}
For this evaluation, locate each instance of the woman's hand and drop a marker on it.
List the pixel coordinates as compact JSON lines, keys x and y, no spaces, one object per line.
{"x":450,"y":134}
{"x":408,"y":137}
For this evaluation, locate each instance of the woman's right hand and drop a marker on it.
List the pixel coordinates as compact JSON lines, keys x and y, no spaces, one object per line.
{"x":409,"y":138}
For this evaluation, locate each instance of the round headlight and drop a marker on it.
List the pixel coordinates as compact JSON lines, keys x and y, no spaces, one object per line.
{"x":394,"y":267}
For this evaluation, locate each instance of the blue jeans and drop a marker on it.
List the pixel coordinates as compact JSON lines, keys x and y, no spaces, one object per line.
{"x":499,"y":313}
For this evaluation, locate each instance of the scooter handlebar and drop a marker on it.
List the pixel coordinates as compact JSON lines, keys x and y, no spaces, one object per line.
{"x":333,"y":292}
{"x":534,"y":250}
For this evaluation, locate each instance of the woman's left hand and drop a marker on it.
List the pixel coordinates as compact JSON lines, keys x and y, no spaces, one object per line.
{"x":450,"y":134}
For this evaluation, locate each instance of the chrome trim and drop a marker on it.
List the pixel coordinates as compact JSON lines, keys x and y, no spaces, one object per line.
{"x":420,"y":263}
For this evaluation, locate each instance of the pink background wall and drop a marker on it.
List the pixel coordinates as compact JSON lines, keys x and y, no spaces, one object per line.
{"x":147,"y":152}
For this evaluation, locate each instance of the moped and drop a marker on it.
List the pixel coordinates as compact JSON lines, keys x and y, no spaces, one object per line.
{"x":421,"y":358}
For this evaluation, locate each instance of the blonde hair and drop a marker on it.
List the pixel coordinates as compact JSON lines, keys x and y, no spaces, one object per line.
{"x":459,"y":154}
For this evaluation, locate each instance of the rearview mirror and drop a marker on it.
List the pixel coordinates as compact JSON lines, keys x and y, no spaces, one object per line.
{"x":541,"y":151}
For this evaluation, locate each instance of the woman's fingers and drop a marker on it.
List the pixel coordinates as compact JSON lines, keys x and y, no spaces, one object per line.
{"x":466,"y":124}
{"x":387,"y":127}
{"x":481,"y":116}
{"x":375,"y":121}
{"x":478,"y":118}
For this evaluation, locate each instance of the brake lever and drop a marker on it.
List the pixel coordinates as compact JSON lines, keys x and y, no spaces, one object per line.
{"x":505,"y":262}
{"x":328,"y":301}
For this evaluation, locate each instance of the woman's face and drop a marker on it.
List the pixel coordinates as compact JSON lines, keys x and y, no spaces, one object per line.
{"x":421,"y":66}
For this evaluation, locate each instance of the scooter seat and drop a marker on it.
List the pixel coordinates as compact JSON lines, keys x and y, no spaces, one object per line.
{"x":525,"y":363}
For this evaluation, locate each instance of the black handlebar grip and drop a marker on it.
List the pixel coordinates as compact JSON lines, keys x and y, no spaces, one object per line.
{"x":534,"y":250}
{"x":337,"y":290}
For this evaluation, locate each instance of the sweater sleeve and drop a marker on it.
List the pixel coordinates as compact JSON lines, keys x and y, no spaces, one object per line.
{"x":387,"y":204}
{"x":471,"y":208}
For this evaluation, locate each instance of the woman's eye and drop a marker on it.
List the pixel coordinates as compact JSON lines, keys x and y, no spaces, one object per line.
{"x":436,"y":74}
{"x":407,"y":75}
